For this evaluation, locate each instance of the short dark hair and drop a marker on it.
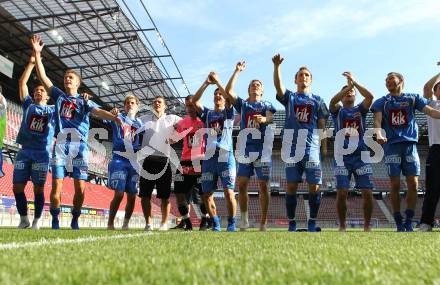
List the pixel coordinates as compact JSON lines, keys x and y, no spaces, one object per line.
{"x":163,"y":98}
{"x":73,"y":71}
{"x":38,"y":84}
{"x":216,"y":89}
{"x":303,"y":68}
{"x":436,"y":86}
{"x":397,"y":74}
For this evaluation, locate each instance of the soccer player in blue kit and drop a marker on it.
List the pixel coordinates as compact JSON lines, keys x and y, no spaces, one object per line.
{"x":220,"y":121}
{"x":256,"y":114}
{"x":35,"y":137}
{"x":350,"y":118}
{"x":395,"y":113}
{"x":72,"y":118}
{"x":123,"y":177}
{"x":305,"y":114}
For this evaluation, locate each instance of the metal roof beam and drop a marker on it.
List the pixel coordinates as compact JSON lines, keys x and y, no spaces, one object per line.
{"x":113,"y":71}
{"x":105,"y":65}
{"x":92,"y":50}
{"x":41,"y":17}
{"x":125,"y":31}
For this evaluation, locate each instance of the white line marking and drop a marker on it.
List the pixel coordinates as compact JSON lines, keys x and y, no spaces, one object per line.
{"x":48,"y":242}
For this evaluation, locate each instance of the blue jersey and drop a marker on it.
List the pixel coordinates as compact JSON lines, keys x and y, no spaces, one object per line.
{"x":247,"y":112}
{"x":72,"y":112}
{"x":221,"y":124}
{"x":398,"y":116}
{"x":303,"y":112}
{"x":128,"y":131}
{"x":37,"y":126}
{"x":355,"y":118}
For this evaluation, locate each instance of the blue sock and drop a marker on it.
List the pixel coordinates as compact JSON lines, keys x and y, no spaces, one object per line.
{"x":291,"y":206}
{"x":21,"y":203}
{"x":409,"y":215}
{"x":398,"y":218}
{"x":76,"y":214}
{"x":39,"y":204}
{"x":314,"y":203}
{"x":55,"y":212}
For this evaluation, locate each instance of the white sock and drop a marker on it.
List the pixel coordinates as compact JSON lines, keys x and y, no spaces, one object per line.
{"x":245,"y":217}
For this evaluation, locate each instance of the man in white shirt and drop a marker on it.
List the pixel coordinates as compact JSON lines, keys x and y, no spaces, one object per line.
{"x":159,"y":129}
{"x":432,"y":180}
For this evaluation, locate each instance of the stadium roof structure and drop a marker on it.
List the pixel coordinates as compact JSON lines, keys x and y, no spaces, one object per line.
{"x":114,"y":48}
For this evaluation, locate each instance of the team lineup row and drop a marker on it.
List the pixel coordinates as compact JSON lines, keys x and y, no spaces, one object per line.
{"x":305,"y":112}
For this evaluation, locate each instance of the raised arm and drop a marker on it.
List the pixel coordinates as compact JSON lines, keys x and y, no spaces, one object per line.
{"x":368,"y":97}
{"x":103,"y":114}
{"x":427,"y":89}
{"x":378,"y":125}
{"x":433,"y":113}
{"x":199,"y":93}
{"x":229,"y":90}
{"x":334,"y":102}
{"x":277,"y":60}
{"x":2,"y":101}
{"x":22,"y":83}
{"x":37,"y":45}
{"x":213,"y":77}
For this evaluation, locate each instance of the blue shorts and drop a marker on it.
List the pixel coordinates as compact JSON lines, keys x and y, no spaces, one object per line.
{"x":122,"y":176}
{"x":212,"y":169}
{"x":263,"y":170}
{"x":353,"y":165}
{"x":402,"y":157}
{"x":63,"y":166}
{"x":311,"y":166}
{"x":32,"y":165}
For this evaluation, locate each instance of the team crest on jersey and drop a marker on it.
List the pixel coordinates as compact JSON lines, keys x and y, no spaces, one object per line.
{"x":216,"y":126}
{"x":38,"y":123}
{"x":303,"y":113}
{"x":67,"y":110}
{"x":403,"y":104}
{"x":398,"y":118}
{"x":352,"y":127}
{"x":250,"y":121}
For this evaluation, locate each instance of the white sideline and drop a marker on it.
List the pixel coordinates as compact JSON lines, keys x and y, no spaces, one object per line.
{"x":46,"y":242}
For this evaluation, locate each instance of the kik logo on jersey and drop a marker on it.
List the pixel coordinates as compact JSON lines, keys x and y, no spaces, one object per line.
{"x":129,"y":132}
{"x":67,"y":110}
{"x":250,"y":120}
{"x":216,"y":126}
{"x":352,"y":127}
{"x":398,"y":118}
{"x":38,"y":123}
{"x":303,"y":113}
{"x":193,"y":140}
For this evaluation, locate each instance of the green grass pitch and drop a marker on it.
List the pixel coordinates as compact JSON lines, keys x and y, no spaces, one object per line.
{"x":274,"y":257}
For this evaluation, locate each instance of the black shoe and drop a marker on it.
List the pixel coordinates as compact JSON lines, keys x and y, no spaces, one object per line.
{"x":180,"y":226}
{"x":188,"y":225}
{"x":203,"y":224}
{"x":209,"y":223}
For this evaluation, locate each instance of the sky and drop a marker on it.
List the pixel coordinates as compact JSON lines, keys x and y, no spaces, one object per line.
{"x":368,"y":38}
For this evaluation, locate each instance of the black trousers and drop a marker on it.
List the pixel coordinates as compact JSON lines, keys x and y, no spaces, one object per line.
{"x":432,"y":189}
